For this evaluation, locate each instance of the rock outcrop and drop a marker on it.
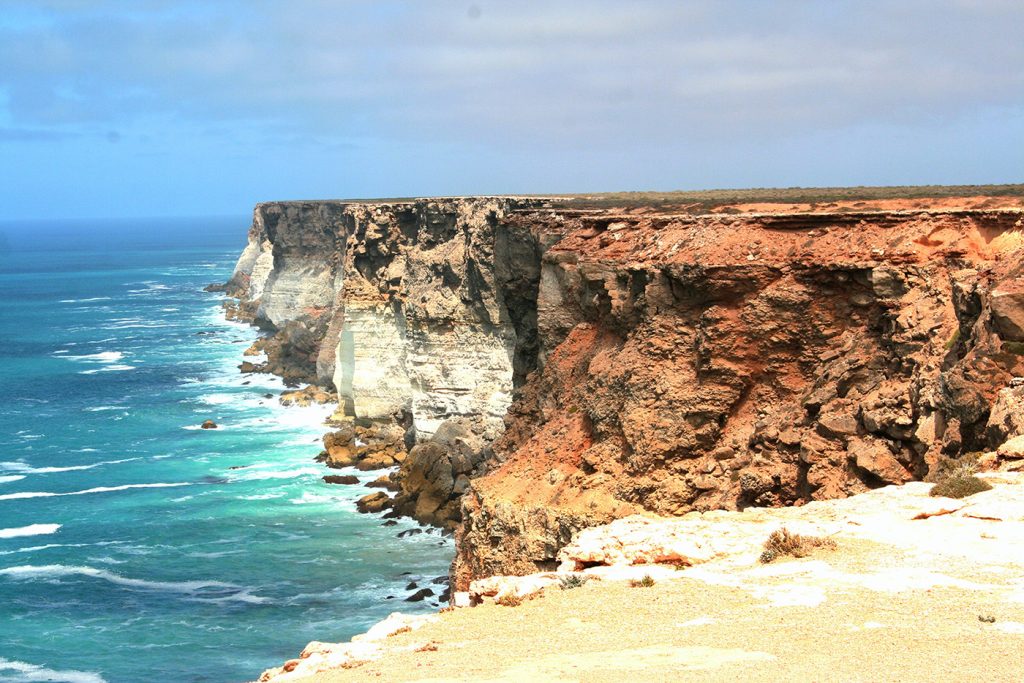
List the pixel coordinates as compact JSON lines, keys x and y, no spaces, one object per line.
{"x":660,"y":359}
{"x":726,"y":361}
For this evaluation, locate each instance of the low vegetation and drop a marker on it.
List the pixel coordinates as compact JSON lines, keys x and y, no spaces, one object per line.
{"x":960,"y":487}
{"x":509,"y":600}
{"x":783,"y":542}
{"x":699,"y":201}
{"x":570,"y":581}
{"x":954,"y":477}
{"x":646,"y":582}
{"x":952,"y":468}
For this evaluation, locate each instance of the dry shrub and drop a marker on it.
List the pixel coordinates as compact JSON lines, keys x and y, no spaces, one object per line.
{"x":645,"y":582}
{"x":960,"y":487}
{"x":953,"y":468}
{"x":570,"y":581}
{"x":783,"y":542}
{"x":509,"y":600}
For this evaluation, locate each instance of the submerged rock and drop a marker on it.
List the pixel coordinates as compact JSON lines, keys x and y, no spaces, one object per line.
{"x":420,"y":595}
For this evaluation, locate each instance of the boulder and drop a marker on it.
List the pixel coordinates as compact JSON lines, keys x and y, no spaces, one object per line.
{"x":311,"y":395}
{"x":1007,"y":303}
{"x":208,"y":424}
{"x":341,"y":479}
{"x":436,"y":473}
{"x":1012,"y":449}
{"x":374,"y":502}
{"x":1006,"y":419}
{"x":874,"y":457}
{"x":419,"y":595}
{"x":385,"y":482}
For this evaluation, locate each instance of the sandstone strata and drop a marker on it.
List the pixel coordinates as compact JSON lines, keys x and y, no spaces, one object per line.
{"x":661,"y":359}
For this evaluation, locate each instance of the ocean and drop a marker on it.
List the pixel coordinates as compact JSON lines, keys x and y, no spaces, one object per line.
{"x":135,"y":546}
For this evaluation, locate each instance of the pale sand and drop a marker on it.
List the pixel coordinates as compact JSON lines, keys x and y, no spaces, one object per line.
{"x":688,"y":629}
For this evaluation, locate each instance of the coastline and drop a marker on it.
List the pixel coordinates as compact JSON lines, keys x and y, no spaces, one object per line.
{"x":825,"y":352}
{"x":319,"y":418}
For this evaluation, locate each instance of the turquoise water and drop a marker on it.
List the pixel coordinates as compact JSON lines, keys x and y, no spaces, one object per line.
{"x":133,"y":545}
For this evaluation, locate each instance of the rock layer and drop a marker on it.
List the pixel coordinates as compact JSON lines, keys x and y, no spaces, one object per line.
{"x":660,"y":360}
{"x":724,"y":361}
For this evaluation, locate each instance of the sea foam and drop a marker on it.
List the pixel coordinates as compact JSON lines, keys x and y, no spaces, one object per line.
{"x":30,"y":530}
{"x":22,"y":672}
{"x":206,"y":591}
{"x":101,"y":357}
{"x":20,"y":468}
{"x":99,"y":489}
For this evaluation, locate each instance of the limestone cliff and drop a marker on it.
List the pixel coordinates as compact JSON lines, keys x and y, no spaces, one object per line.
{"x":662,"y":357}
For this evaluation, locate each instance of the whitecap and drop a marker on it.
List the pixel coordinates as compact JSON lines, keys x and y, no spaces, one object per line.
{"x":263,"y":496}
{"x":217,"y":399}
{"x":280,"y":474}
{"x":100,"y":409}
{"x":29,"y":673}
{"x":101,"y":357}
{"x":35,"y":548}
{"x":206,"y":591}
{"x":312,"y":498}
{"x":99,"y":489}
{"x":22,"y":468}
{"x":30,"y":530}
{"x":11,"y":477}
{"x":82,"y":301}
{"x":107,"y":368}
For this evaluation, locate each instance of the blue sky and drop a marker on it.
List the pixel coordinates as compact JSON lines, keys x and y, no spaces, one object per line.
{"x":157,"y":108}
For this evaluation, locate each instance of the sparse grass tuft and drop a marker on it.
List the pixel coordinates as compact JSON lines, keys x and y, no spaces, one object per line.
{"x":782,"y":542}
{"x":509,"y":600}
{"x":645,"y":582}
{"x":986,"y":619}
{"x":960,"y":487}
{"x":570,"y":581}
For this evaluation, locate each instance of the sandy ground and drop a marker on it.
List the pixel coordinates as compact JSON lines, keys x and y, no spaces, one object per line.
{"x":686,"y":629}
{"x":904,"y":596}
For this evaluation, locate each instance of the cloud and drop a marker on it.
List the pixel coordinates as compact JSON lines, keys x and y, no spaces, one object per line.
{"x":548,"y":72}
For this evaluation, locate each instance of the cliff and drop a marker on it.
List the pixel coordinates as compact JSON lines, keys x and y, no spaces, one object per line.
{"x":643,"y":356}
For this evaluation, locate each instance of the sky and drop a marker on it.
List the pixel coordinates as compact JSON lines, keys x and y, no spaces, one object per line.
{"x":160,"y":108}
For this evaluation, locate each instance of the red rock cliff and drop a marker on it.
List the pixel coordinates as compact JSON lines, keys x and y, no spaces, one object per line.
{"x":720,"y":361}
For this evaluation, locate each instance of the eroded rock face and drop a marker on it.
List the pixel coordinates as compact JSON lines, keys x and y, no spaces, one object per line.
{"x":423,"y":309}
{"x":709,"y":362}
{"x":659,"y":361}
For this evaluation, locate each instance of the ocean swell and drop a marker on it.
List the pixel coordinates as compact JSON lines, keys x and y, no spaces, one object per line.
{"x":202,"y":591}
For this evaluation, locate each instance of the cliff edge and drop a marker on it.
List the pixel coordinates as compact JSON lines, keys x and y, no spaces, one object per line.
{"x":555,"y":363}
